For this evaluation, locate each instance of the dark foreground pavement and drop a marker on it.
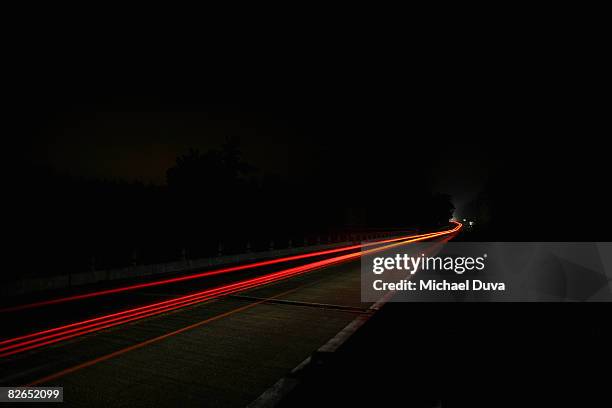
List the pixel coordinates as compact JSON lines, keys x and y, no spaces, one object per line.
{"x":227,"y":353}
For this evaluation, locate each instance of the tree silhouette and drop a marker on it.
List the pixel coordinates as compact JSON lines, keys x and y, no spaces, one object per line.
{"x":210,"y":197}
{"x":218,"y":170}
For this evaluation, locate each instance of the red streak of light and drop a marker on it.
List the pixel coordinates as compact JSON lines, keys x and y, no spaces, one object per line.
{"x":46,"y":337}
{"x":200,"y":275}
{"x":137,"y":346}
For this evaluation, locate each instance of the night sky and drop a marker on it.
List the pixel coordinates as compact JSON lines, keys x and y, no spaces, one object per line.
{"x":134,"y":140}
{"x":454,"y":129}
{"x":140,"y":146}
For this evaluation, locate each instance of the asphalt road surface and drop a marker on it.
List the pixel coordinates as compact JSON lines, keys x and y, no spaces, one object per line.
{"x":223,"y":352}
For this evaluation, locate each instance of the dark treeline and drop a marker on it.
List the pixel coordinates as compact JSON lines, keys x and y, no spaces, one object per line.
{"x":72,"y":224}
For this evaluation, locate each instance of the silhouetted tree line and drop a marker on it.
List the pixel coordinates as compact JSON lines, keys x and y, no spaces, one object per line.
{"x":71,"y":224}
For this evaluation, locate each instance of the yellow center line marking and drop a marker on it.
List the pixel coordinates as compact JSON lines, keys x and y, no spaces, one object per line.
{"x":150,"y":341}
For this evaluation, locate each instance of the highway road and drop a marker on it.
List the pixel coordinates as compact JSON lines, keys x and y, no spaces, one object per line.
{"x":216,"y":338}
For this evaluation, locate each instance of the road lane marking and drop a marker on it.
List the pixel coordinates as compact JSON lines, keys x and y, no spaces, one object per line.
{"x":137,"y":346}
{"x":308,"y":304}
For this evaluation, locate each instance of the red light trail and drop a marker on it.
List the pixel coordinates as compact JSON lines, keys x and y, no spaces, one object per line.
{"x":201,"y":275}
{"x":46,"y":337}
